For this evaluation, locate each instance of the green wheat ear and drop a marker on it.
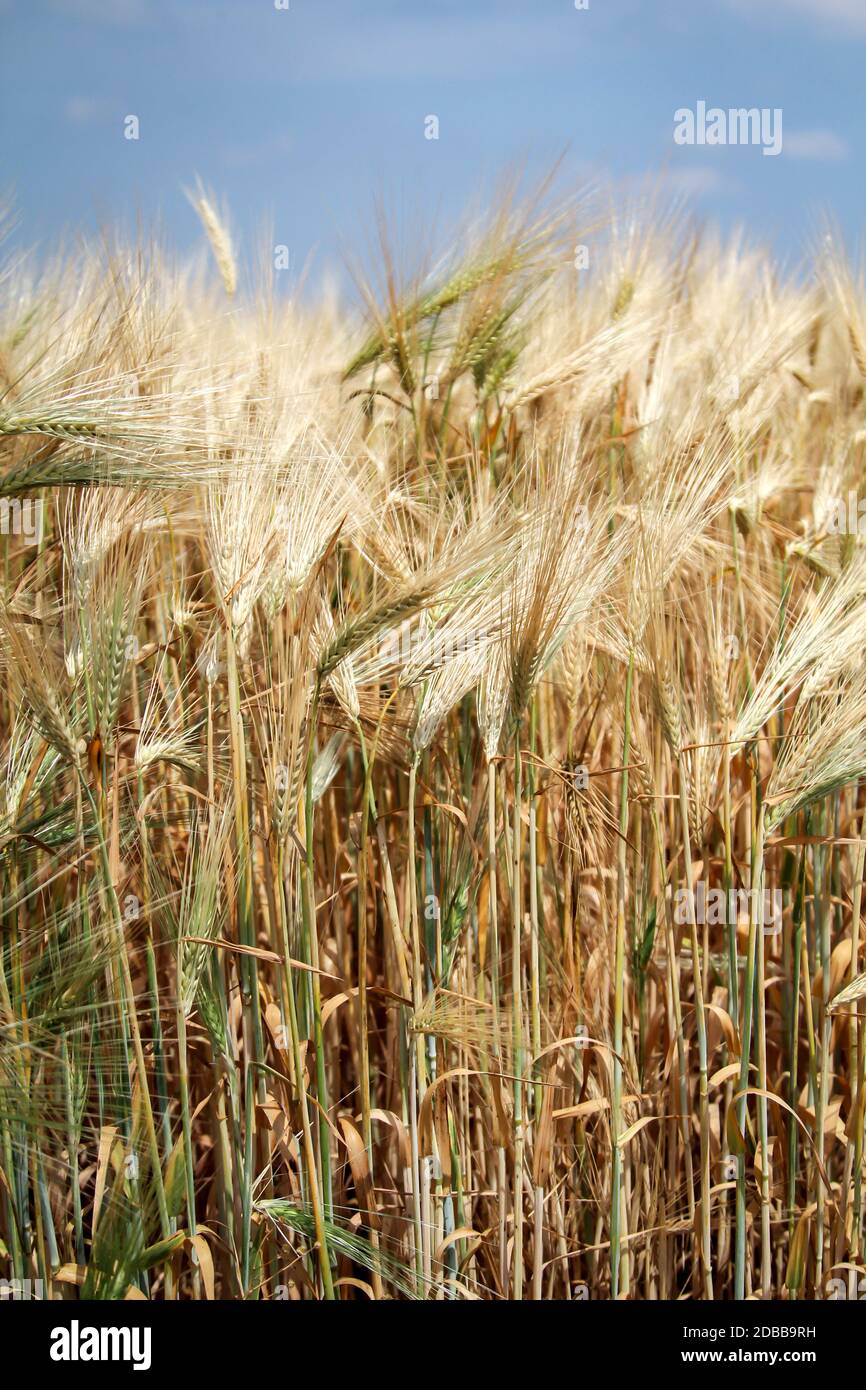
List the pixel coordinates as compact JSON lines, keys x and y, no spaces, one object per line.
{"x":350,"y":1244}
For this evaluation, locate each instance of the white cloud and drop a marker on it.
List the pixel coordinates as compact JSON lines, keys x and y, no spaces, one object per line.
{"x":122,"y":13}
{"x":700,"y":181}
{"x":823,"y":145}
{"x":80,"y":110}
{"x":248,"y":154}
{"x":421,"y":44}
{"x":848,"y":15}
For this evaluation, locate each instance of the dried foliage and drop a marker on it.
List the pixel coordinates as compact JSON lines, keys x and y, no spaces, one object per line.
{"x":433,"y":827}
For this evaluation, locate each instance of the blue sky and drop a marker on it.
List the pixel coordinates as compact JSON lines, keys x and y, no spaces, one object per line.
{"x":299,"y":118}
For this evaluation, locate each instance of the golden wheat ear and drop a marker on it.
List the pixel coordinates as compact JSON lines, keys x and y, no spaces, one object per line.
{"x":217,"y":231}
{"x":849,"y":995}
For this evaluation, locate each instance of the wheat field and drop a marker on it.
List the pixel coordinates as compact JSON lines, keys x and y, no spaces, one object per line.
{"x":433,"y":724}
